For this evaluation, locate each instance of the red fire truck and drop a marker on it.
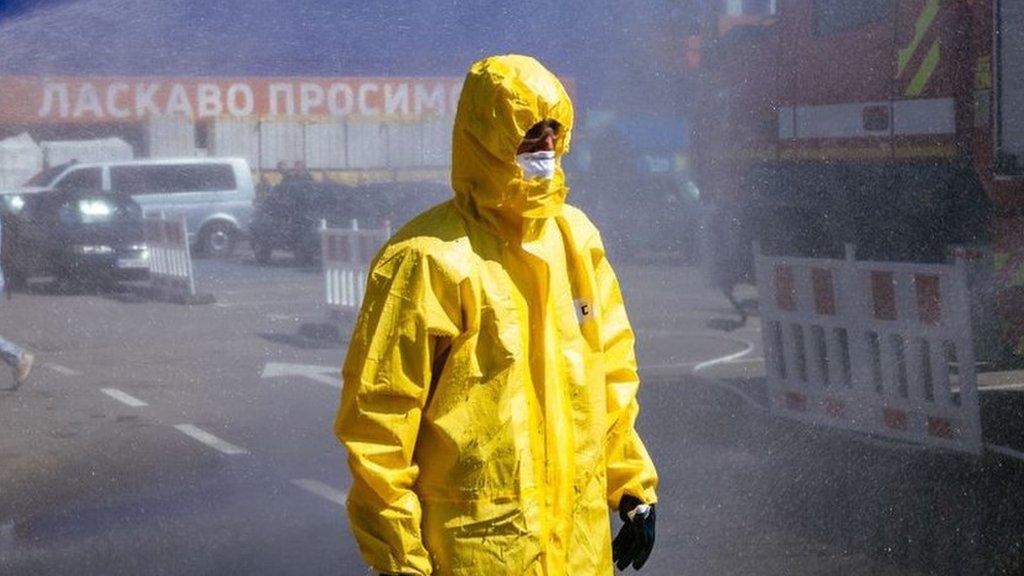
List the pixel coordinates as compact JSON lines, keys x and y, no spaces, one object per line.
{"x":894,"y":125}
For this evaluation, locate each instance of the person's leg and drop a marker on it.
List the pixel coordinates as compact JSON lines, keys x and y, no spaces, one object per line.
{"x":731,"y":296}
{"x":19,"y":361}
{"x":10,"y":352}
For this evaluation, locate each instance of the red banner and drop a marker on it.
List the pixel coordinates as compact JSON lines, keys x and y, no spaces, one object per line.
{"x":120,"y":99}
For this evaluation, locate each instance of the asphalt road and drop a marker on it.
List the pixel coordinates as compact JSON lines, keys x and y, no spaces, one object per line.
{"x":159,"y":438}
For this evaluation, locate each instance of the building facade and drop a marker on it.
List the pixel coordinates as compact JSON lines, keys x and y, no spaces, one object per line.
{"x":345,"y":128}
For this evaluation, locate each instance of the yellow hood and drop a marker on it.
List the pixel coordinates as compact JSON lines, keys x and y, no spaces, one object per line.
{"x":502,"y":97}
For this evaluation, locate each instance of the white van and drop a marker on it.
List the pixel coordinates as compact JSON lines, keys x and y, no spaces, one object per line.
{"x":214,"y":194}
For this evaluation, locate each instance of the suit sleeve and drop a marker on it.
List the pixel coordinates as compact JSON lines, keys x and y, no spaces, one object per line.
{"x":386,"y":380}
{"x":630,"y":469}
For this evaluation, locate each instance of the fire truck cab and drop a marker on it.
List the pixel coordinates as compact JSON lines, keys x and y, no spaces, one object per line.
{"x":893,"y":125}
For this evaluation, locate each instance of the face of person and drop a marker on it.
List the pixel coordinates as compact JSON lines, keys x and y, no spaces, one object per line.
{"x":541,"y":137}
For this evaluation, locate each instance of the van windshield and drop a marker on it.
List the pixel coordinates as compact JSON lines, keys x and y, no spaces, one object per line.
{"x":47,"y":176}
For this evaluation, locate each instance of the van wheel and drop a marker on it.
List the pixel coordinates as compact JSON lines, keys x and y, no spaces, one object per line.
{"x":218,"y":240}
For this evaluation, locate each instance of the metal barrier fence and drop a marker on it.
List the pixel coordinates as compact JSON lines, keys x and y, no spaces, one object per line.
{"x":170,"y":261}
{"x":346,"y":254}
{"x":878,"y":347}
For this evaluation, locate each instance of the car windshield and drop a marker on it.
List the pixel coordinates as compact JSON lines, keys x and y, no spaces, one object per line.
{"x":46,"y":177}
{"x":587,"y":287}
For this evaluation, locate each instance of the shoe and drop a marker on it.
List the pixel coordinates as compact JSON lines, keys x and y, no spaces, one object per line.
{"x":23,"y":369}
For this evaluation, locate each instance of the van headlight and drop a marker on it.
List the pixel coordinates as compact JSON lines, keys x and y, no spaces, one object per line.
{"x":95,"y":208}
{"x":141,"y":251}
{"x":15,"y":204}
{"x":93,"y":249}
{"x":86,"y":211}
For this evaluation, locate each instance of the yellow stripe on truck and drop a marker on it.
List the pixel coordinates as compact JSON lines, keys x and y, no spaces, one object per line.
{"x":925,"y":72}
{"x":924,"y":21}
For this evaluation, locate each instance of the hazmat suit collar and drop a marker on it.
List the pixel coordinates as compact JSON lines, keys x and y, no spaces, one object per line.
{"x":502,"y":97}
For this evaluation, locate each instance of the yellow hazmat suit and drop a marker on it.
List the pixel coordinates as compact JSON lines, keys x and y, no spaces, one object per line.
{"x":490,"y":386}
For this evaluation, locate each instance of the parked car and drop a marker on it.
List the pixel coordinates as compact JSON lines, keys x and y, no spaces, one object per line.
{"x":672,"y":212}
{"x":74,"y":236}
{"x":289,"y":216}
{"x":659,"y":216}
{"x":399,"y":202}
{"x":214,"y":194}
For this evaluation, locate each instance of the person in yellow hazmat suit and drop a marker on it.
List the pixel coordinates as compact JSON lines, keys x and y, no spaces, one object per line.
{"x":490,"y":385}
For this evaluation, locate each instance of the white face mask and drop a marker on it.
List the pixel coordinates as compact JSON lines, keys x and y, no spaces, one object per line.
{"x":537,"y":164}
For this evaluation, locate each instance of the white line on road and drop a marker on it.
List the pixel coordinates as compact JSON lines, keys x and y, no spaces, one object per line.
{"x":757,"y":360}
{"x":655,"y":368}
{"x":1007,"y":387}
{"x":738,"y":358}
{"x":1006,"y":451}
{"x":748,"y":348}
{"x":323,"y":374}
{"x":123,"y":397}
{"x":64,"y":370}
{"x":322,"y":490}
{"x":210,"y":440}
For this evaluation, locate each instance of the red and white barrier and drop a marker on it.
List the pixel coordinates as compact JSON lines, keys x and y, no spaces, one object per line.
{"x":170,"y":262}
{"x":346,"y":255}
{"x":878,"y":347}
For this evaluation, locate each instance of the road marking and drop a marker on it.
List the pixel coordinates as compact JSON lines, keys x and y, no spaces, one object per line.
{"x":757,"y":360}
{"x":123,"y":397}
{"x":748,"y":348}
{"x":323,"y":374}
{"x":649,"y":368}
{"x":210,"y":440}
{"x":654,"y":370}
{"x":996,"y":387}
{"x":64,"y":370}
{"x":1006,"y":451}
{"x":1008,"y":387}
{"x":322,"y":490}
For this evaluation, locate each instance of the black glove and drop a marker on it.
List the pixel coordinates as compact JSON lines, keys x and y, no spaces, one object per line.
{"x":635,"y":540}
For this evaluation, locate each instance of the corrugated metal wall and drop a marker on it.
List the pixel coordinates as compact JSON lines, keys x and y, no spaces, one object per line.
{"x":237,"y":139}
{"x":20,"y":159}
{"x":171,"y":137}
{"x":98,"y":150}
{"x":280,"y":142}
{"x":350,"y":144}
{"x":326,"y":145}
{"x":437,"y":141}
{"x":367,"y":144}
